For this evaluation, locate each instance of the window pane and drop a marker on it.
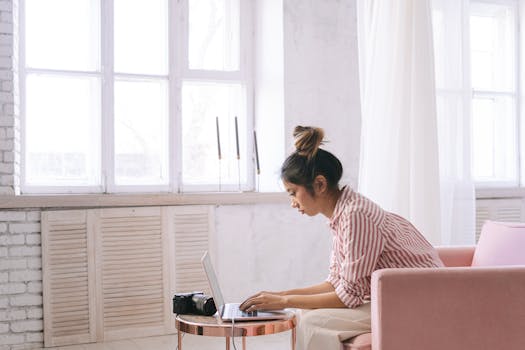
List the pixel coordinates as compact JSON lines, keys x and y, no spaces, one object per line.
{"x":214,"y":34}
{"x":141,"y":49}
{"x":62,"y":132}
{"x":62,"y":34}
{"x":494,"y":139}
{"x":201,"y":104}
{"x":141,"y":132}
{"x":493,"y":40}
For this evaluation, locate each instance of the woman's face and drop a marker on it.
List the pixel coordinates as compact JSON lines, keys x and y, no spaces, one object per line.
{"x":301,"y":199}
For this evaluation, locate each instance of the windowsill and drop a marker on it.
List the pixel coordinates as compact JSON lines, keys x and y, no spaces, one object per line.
{"x":160,"y":199}
{"x":500,"y":192}
{"x":143,"y":199}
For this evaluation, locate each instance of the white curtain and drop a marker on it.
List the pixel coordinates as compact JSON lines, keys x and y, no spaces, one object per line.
{"x":453,"y":89}
{"x":404,"y":166}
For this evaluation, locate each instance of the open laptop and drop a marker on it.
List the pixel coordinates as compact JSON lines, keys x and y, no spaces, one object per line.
{"x":231,"y":311}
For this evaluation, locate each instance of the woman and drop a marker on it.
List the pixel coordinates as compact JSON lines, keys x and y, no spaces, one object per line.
{"x":365,"y":238}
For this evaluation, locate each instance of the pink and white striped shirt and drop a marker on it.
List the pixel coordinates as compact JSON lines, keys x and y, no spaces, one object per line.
{"x":367,"y":238}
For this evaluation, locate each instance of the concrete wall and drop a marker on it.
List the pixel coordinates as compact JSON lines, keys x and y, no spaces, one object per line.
{"x":321,"y":84}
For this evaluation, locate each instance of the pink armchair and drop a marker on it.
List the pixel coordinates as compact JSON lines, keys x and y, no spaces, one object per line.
{"x":458,"y":307}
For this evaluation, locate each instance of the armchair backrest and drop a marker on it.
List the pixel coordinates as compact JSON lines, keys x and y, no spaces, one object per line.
{"x":455,"y":256}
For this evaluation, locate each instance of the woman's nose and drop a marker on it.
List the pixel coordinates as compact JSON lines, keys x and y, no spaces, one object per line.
{"x":294,"y":204}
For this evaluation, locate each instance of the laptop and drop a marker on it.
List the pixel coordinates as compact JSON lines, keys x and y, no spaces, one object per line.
{"x":231,"y":311}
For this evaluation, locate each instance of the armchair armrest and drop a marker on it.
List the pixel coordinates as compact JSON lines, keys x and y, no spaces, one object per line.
{"x":458,"y":308}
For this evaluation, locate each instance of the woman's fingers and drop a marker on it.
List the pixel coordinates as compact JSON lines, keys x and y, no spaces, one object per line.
{"x":248,"y":302}
{"x":263,"y":301}
{"x":251,"y":300}
{"x":251,"y":303}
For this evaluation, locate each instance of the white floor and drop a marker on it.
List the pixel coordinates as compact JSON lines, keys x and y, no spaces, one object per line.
{"x":280,"y":341}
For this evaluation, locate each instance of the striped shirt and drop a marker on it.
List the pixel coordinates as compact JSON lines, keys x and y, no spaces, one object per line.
{"x":367,"y":238}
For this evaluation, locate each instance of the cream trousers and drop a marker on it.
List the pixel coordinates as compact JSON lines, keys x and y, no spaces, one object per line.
{"x":325,"y":329}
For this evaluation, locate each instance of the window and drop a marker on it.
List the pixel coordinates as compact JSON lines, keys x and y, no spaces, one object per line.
{"x":127,"y":95}
{"x":477,"y":77}
{"x":493,"y":49}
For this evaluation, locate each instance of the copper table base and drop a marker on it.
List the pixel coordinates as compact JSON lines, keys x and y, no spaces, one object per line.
{"x":211,"y":326}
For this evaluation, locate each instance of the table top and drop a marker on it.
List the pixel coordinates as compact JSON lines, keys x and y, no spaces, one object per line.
{"x":212,"y":326}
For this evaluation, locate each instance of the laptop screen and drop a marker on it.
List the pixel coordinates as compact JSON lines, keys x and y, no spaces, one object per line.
{"x":214,"y":283}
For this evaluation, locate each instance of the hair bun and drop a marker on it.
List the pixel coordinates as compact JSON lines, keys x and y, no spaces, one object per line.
{"x":307,"y":140}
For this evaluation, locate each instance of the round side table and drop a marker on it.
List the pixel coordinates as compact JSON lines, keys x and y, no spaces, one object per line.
{"x":211,"y":326}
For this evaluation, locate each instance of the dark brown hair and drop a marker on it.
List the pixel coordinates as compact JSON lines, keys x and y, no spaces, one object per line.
{"x":308,"y":161}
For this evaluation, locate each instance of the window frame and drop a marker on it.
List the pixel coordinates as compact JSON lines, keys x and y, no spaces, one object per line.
{"x":178,"y":71}
{"x":514,"y":95}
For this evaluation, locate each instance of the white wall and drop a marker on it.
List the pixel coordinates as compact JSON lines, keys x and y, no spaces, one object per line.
{"x":321,"y":84}
{"x":268,"y":247}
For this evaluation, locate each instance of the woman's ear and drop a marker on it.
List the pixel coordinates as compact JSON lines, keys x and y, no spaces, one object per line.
{"x":320,"y":184}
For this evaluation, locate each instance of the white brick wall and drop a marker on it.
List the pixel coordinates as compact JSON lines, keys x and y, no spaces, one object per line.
{"x":21,"y":316}
{"x":21,"y":323}
{"x":9,"y":121}
{"x":20,"y":250}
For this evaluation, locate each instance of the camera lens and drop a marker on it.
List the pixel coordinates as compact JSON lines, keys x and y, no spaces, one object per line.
{"x":204,"y":304}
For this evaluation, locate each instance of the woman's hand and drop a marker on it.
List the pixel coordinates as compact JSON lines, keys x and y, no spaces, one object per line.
{"x":318,"y":296}
{"x":264,"y":301}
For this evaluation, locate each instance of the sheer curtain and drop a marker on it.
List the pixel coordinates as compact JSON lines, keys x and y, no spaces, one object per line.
{"x":409,"y":163}
{"x":399,"y":148}
{"x":453,"y":96}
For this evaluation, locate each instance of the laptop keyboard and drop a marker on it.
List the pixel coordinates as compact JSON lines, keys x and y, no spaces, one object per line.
{"x":233,"y":311}
{"x":240,"y":313}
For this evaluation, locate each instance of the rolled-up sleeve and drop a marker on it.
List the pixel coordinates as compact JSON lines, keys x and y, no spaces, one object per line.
{"x":361,"y":247}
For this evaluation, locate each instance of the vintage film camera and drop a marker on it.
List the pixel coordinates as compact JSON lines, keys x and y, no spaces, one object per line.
{"x":195,"y":303}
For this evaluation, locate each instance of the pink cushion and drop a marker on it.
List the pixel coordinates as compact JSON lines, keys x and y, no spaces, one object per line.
{"x":500,"y":243}
{"x":361,"y":342}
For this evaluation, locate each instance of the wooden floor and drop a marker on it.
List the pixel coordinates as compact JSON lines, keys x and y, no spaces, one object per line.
{"x":279,"y":341}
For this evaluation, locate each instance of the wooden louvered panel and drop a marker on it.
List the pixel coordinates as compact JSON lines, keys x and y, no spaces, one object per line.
{"x":68,"y":288}
{"x":131,"y":272}
{"x":191,"y":228}
{"x":129,"y":255}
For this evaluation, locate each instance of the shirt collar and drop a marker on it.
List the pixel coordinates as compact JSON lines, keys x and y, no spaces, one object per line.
{"x":346,"y":193}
